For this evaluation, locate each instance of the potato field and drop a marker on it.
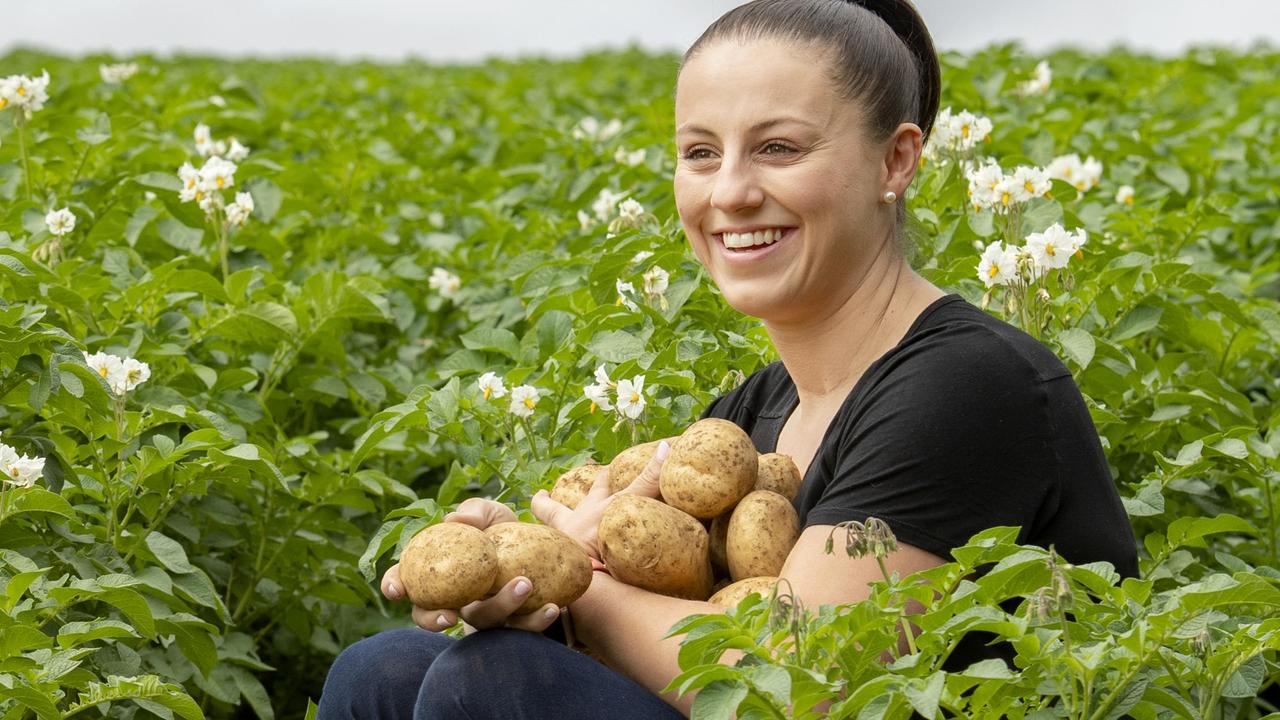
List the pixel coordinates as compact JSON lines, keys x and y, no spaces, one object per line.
{"x":262,"y":322}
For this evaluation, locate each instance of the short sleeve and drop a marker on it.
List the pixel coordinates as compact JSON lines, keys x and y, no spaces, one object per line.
{"x":952,"y":438}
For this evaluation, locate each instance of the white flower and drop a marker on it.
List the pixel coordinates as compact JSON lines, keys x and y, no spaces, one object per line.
{"x":118,"y":72}
{"x":1051,"y":249}
{"x":491,"y":385}
{"x":1090,"y":174}
{"x":210,"y":202}
{"x":631,"y":400}
{"x":25,"y":93}
{"x":19,"y":470}
{"x":1032,"y":182}
{"x":60,"y":222}
{"x":109,"y":367}
{"x":1005,"y":195}
{"x":587,"y":127}
{"x":602,"y":377}
{"x":605,"y":204}
{"x":1124,"y":195}
{"x":585,"y":222}
{"x":630,"y":210}
{"x":625,"y":291}
{"x":190,"y":178}
{"x":640,"y":257}
{"x":611,"y":128}
{"x":630,"y":159}
{"x":998,"y":265}
{"x":218,"y":101}
{"x":983,"y":183}
{"x":204,"y":140}
{"x":1065,"y":167}
{"x":656,"y":281}
{"x":216,"y":174}
{"x":1041,"y":77}
{"x":238,"y":212}
{"x":444,"y":282}
{"x":132,"y":374}
{"x":523,"y":398}
{"x":599,"y":396}
{"x":237,"y":152}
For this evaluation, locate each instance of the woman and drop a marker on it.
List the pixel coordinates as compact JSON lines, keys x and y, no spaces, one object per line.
{"x":799,"y":125}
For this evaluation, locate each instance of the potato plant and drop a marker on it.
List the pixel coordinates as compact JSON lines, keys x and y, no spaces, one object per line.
{"x":423,"y":283}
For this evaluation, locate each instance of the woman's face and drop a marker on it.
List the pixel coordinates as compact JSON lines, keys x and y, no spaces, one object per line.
{"x":764,"y":143}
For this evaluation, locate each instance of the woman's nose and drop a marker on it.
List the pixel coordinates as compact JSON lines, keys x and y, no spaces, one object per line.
{"x":736,"y":187}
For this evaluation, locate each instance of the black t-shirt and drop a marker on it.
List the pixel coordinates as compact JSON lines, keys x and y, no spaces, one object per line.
{"x":966,"y":424}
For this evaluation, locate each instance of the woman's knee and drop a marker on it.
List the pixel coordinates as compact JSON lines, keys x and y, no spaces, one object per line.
{"x":493,"y":673}
{"x":379,"y":677}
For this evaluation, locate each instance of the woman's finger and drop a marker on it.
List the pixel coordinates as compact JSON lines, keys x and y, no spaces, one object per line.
{"x":646,"y":483}
{"x":547,"y":509}
{"x":536,"y":621}
{"x":494,"y":611}
{"x":392,"y":588}
{"x":481,"y":513}
{"x":434,"y":620}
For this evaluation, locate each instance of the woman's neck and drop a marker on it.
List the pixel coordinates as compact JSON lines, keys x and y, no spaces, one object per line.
{"x":826,"y":353}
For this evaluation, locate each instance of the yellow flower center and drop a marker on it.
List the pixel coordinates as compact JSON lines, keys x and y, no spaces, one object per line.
{"x":102,"y":371}
{"x":964,"y":131}
{"x":635,"y":397}
{"x":528,"y":402}
{"x":994,"y":271}
{"x":221,"y":181}
{"x":487,"y":391}
{"x":1048,"y":250}
{"x":22,"y":90}
{"x":1031,"y":188}
{"x":1004,"y":198}
{"x":3,"y":102}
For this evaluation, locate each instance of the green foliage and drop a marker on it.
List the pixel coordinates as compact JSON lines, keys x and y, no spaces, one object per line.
{"x":203,"y":546}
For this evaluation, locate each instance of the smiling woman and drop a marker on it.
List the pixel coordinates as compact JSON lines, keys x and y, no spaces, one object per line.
{"x":799,"y":127}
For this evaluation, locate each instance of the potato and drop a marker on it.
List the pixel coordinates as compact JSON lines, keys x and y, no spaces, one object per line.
{"x":626,"y":466}
{"x":656,"y":547}
{"x":717,"y":536}
{"x":447,"y":566}
{"x":574,"y":484}
{"x":778,"y":472}
{"x":711,"y":467}
{"x":731,"y":595}
{"x":762,"y":530}
{"x":557,"y":566}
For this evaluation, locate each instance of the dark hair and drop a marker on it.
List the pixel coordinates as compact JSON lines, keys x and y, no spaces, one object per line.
{"x":883,"y":54}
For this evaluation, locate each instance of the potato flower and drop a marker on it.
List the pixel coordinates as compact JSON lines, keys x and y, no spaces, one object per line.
{"x":625,"y":291}
{"x":60,"y":222}
{"x":236,"y":152}
{"x":599,"y":396}
{"x":117,"y":73}
{"x":122,"y":375}
{"x":1124,"y":195}
{"x":589,"y":128}
{"x":444,"y":282}
{"x":216,"y":174}
{"x":605,"y":204}
{"x":1039,"y":82}
{"x":1053,"y":248}
{"x":631,"y":400}
{"x":523,"y":398}
{"x":238,"y":212}
{"x":26,"y":94}
{"x":20,"y":470}
{"x":998,"y":264}
{"x":491,"y":385}
{"x":629,"y":158}
{"x":957,"y":133}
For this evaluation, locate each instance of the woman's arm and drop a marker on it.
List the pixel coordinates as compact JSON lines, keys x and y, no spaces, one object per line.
{"x":625,"y":625}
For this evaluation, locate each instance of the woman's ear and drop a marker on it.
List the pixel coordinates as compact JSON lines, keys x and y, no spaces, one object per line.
{"x":902,"y":157}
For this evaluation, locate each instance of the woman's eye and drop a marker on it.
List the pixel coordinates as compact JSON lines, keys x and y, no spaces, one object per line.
{"x":694,"y":154}
{"x":785,"y":148}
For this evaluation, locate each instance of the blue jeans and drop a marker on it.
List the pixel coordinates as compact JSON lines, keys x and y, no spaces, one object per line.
{"x":415,"y":674}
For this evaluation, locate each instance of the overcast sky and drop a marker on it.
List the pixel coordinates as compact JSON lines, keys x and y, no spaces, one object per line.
{"x":457,"y":30}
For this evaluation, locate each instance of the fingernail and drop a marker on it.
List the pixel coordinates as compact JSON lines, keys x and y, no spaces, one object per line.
{"x":523,"y":587}
{"x":449,"y":516}
{"x":393,"y":590}
{"x":553,"y":613}
{"x":663,"y":449}
{"x":443,"y":621}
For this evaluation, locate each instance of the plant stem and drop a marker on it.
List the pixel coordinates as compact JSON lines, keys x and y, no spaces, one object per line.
{"x":906,"y":626}
{"x":22,"y":146}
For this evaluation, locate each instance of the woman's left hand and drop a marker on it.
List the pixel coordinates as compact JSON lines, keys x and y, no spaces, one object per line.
{"x":583,"y":522}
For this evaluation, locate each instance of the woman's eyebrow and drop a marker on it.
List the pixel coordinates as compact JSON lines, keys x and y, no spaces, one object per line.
{"x":762,"y":125}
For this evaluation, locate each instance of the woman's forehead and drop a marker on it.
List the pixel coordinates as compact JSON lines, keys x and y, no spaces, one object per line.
{"x":756,"y":81}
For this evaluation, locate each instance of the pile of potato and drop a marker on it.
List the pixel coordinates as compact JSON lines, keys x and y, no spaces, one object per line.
{"x":725,"y":522}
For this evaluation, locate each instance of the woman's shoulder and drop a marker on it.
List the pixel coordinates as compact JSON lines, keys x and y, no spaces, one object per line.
{"x":955,"y":337}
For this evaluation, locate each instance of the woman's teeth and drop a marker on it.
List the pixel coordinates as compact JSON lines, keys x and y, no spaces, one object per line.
{"x":759,"y":237}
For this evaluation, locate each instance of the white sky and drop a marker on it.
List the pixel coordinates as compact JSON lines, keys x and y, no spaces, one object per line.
{"x":460,"y":30}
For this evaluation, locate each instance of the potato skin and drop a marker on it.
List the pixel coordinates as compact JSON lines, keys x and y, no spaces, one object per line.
{"x":762,"y":530}
{"x":574,"y":484}
{"x":734,"y":593}
{"x":711,"y":467}
{"x":778,"y":472}
{"x":448,"y":565}
{"x":628,"y":464}
{"x":557,"y":566}
{"x":650,"y":545}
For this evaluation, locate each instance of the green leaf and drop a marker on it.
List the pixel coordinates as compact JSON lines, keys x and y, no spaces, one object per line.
{"x":37,"y":701}
{"x":39,"y":500}
{"x":925,"y":694}
{"x":616,"y":346}
{"x":78,"y":633}
{"x":169,"y":553}
{"x":1078,"y":345}
{"x":718,"y":700}
{"x":252,"y":690}
{"x":1245,"y":682}
{"x":1173,"y":176}
{"x":1141,"y":319}
{"x":493,"y":339}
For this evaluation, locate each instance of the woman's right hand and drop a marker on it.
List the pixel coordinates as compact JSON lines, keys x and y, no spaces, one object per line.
{"x":496,"y":611}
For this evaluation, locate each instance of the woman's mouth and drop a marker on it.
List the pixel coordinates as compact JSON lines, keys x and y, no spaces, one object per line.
{"x":749,"y":246}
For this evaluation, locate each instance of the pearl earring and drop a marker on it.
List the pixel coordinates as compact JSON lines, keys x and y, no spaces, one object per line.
{"x":890,"y":197}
